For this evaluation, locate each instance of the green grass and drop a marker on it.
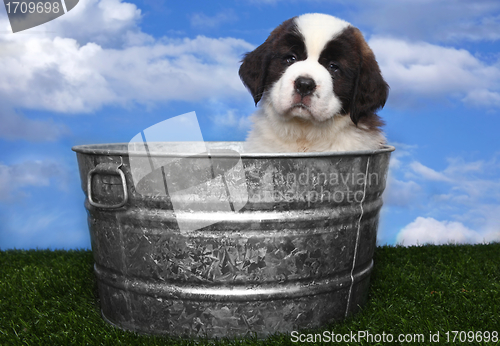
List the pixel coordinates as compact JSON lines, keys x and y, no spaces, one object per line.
{"x":49,"y":298}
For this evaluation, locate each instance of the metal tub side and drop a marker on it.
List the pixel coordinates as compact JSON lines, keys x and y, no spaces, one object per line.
{"x":297,"y":255}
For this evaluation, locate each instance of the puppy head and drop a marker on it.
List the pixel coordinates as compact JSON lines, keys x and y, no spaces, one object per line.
{"x":315,"y":67}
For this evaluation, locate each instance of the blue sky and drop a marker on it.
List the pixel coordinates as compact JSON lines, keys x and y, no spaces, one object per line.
{"x":108,"y":69}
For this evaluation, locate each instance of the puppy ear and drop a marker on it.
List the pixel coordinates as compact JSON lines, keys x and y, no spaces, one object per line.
{"x":370,"y":89}
{"x":253,"y":70}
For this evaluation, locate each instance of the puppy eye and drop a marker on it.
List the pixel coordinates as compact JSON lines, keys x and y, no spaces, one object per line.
{"x":290,"y":59}
{"x":333,"y":66}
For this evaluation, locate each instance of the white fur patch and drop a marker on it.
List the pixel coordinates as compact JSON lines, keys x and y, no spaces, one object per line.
{"x":318,"y":29}
{"x":271,"y":133}
{"x":323,"y":102}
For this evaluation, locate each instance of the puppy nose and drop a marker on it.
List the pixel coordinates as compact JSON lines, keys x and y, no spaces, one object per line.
{"x":304,"y":86}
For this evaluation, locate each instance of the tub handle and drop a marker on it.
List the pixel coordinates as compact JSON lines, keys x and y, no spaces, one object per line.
{"x":107,"y":168}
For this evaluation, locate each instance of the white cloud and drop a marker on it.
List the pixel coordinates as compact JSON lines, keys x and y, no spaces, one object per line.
{"x":16,"y":126}
{"x":231,"y":119}
{"x":457,"y":165}
{"x":108,"y":61}
{"x":415,"y":69}
{"x":430,"y":20}
{"x":428,"y":173}
{"x":431,"y":231}
{"x":226,"y":116}
{"x":28,"y":174}
{"x":42,"y":70}
{"x":59,"y":75}
{"x":464,"y":195}
{"x":401,"y":193}
{"x":485,"y":27}
{"x":203,"y":21}
{"x":467,"y":181}
{"x":403,"y":150}
{"x":483,"y":97}
{"x":105,"y":22}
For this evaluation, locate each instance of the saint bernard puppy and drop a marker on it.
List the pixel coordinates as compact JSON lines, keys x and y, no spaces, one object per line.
{"x":319,"y":86}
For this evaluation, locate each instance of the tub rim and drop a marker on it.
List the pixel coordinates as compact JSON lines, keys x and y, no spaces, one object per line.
{"x":105,"y":149}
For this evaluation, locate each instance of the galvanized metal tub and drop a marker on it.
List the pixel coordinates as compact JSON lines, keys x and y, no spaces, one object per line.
{"x":295,"y":253}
